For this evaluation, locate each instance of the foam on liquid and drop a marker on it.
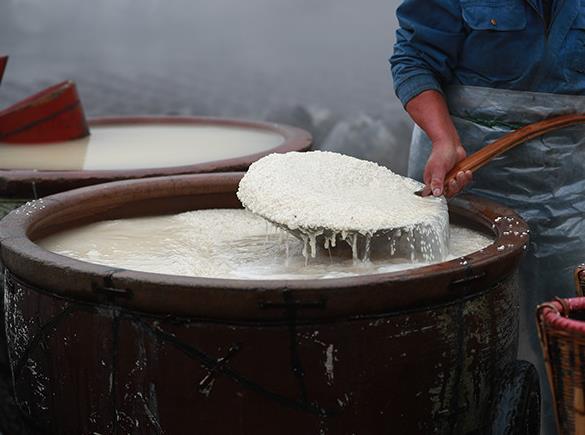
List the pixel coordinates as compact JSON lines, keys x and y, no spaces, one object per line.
{"x":233,"y":244}
{"x":134,"y":146}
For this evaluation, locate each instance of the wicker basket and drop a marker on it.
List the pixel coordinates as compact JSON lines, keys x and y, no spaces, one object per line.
{"x":562,"y":335}
{"x":580,"y":280}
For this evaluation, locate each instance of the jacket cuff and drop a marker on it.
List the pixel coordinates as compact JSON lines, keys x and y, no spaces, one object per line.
{"x":412,"y":86}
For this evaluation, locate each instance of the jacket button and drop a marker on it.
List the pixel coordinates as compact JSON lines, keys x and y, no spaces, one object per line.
{"x":493,"y":22}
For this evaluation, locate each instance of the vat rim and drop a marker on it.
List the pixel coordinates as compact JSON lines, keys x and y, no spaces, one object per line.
{"x":196,"y":296}
{"x":18,"y":182}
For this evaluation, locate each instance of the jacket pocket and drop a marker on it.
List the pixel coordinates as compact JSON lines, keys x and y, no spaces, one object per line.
{"x":503,"y":16}
{"x":579,"y":22}
{"x":577,"y":52}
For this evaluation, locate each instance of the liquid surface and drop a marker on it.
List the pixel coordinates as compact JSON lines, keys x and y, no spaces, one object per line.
{"x":234,"y":244}
{"x":140,"y":146}
{"x":329,"y":194}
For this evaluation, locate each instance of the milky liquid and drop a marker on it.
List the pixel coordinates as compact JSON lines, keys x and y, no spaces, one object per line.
{"x":233,"y":244}
{"x":140,"y":146}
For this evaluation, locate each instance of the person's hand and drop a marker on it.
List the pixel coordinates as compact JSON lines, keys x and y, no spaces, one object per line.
{"x":430,"y":112}
{"x":443,"y":158}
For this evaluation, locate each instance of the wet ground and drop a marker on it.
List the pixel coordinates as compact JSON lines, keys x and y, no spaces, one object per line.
{"x":322,"y":66}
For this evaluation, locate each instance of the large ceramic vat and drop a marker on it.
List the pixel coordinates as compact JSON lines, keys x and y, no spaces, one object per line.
{"x":20,"y":185}
{"x":102,"y":350}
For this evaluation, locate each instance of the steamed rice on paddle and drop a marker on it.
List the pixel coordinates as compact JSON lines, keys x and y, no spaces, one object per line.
{"x":330,"y":196}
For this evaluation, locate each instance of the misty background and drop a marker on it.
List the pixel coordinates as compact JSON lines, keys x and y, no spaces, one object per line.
{"x":320,"y":65}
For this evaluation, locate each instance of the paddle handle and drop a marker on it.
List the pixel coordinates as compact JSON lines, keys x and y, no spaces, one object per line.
{"x":478,"y":159}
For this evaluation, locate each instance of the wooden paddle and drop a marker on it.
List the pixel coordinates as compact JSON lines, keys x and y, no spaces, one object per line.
{"x":476,"y":160}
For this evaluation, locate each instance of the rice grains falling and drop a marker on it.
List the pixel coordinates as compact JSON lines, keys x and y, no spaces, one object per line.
{"x":329,"y":197}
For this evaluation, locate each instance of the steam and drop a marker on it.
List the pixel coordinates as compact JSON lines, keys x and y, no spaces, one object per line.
{"x":256,"y":58}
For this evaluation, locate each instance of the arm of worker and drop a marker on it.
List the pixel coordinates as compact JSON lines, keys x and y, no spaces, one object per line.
{"x":428,"y":43}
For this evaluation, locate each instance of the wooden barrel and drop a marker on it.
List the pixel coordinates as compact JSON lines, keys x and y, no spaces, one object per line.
{"x":96,"y":349}
{"x":562,"y":335}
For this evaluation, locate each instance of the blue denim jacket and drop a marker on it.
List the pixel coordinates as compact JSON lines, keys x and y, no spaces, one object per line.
{"x":489,"y":43}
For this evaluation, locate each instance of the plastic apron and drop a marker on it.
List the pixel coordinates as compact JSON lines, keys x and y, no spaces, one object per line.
{"x":542,"y":180}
